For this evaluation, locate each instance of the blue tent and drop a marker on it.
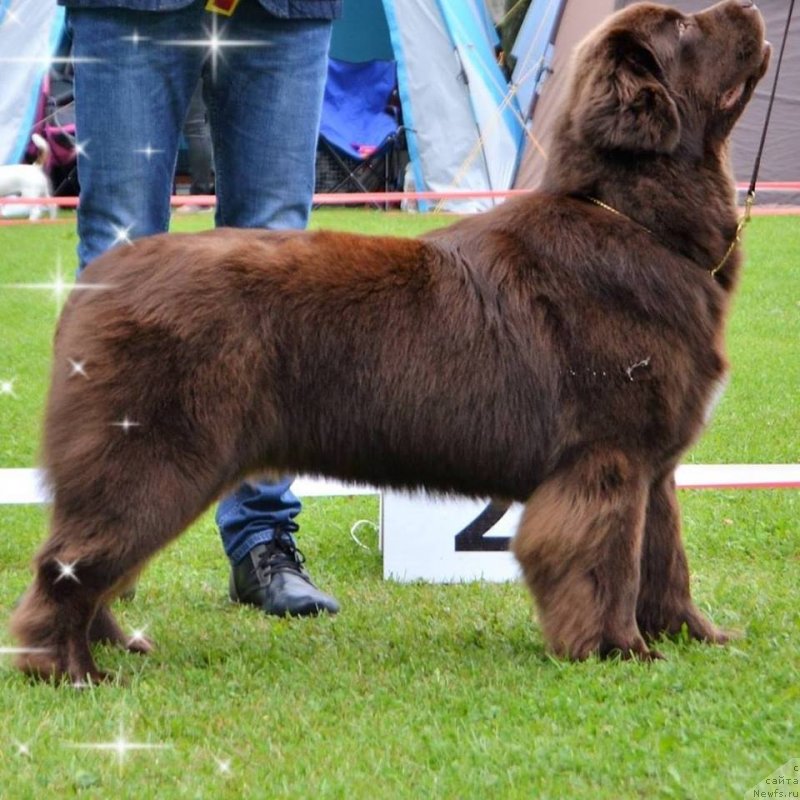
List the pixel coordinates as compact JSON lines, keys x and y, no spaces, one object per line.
{"x":29,"y":34}
{"x":463,"y":124}
{"x":533,"y":50}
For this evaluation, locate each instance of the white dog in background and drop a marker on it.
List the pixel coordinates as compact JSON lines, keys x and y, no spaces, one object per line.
{"x":27,"y":180}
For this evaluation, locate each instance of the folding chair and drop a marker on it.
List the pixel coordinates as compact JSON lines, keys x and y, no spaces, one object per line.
{"x":56,"y":123}
{"x":360,"y":140}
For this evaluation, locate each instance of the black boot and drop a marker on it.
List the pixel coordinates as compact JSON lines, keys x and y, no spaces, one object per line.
{"x":271,"y":576}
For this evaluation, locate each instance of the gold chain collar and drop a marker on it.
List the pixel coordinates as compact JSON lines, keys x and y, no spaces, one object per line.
{"x":737,"y":237}
{"x":751,"y":193}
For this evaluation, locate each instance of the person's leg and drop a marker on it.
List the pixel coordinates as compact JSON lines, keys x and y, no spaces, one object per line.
{"x":265,"y":105}
{"x":198,"y":142}
{"x":132,"y":90}
{"x":250,"y":515}
{"x":257,"y":523}
{"x":264,"y":101}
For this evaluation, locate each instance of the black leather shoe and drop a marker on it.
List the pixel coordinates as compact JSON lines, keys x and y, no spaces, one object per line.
{"x":271,"y":576}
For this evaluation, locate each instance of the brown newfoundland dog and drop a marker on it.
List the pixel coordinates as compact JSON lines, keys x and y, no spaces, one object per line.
{"x":562,"y":350}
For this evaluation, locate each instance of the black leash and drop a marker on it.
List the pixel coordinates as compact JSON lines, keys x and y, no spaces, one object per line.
{"x":751,"y":192}
{"x":472,"y":537}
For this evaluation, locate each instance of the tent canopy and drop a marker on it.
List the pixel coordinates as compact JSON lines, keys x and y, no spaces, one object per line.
{"x":467,"y":127}
{"x":464,"y":126}
{"x":781,"y":161}
{"x":30,"y":31}
{"x":462,"y":122}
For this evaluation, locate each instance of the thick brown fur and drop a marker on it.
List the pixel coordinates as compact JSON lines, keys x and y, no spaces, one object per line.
{"x":551,"y":351}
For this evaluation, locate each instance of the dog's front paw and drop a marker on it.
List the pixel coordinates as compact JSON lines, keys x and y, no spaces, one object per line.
{"x":627,"y":645}
{"x":87,"y":680}
{"x":139,"y":643}
{"x":688,"y":622}
{"x":628,"y":648}
{"x":62,"y":668}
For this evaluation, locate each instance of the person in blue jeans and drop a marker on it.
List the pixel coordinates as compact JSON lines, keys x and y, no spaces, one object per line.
{"x":263,"y":68}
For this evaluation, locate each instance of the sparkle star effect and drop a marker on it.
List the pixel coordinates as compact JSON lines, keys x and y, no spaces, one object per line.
{"x":22,"y":651}
{"x":80,"y":148}
{"x":121,"y":235}
{"x":121,"y":746}
{"x":23,"y":749}
{"x":148,"y":152}
{"x":7,"y":387}
{"x":135,"y":39}
{"x":66,"y":571}
{"x":126,"y":424}
{"x":58,"y":286}
{"x":139,"y":635}
{"x":77,"y":368}
{"x":223,"y":766}
{"x":214,"y":43}
{"x":47,"y":61}
{"x":12,"y":17}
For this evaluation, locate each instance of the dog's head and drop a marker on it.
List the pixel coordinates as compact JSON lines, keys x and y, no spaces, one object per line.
{"x":651,"y":78}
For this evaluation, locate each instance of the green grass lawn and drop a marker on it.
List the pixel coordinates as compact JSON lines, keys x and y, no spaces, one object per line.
{"x":421,"y":691}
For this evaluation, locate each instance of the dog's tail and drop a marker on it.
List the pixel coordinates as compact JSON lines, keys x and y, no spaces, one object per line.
{"x":42,"y":147}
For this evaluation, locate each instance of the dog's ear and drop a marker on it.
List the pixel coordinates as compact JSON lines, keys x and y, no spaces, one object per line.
{"x":623,"y":102}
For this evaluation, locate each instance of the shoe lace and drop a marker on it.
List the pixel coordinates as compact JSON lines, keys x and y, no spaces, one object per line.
{"x":281,"y":551}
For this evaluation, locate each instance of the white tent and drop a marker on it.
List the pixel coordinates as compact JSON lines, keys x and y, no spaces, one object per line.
{"x":30,"y":31}
{"x":463,"y":125}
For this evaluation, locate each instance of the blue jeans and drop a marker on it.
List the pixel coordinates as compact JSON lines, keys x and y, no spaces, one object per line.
{"x":135,"y":72}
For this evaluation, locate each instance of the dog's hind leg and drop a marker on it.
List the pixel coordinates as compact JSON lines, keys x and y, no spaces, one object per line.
{"x":665,"y":604}
{"x":579,"y":545}
{"x":52,"y":624}
{"x":95,"y":545}
{"x":104,"y":629}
